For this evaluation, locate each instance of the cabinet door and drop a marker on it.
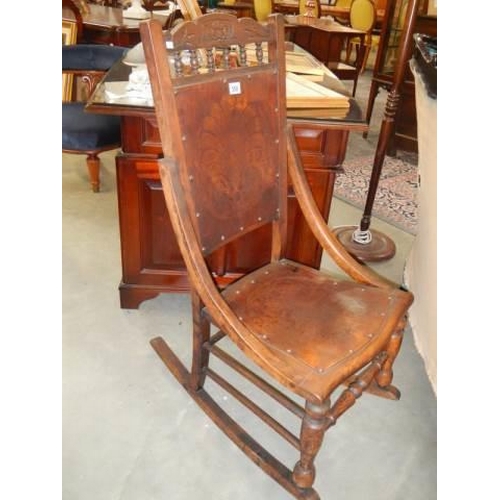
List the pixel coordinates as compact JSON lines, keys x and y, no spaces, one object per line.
{"x":390,"y":36}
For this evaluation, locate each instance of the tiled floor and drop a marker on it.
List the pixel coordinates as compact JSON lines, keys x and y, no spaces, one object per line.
{"x":131,"y":433}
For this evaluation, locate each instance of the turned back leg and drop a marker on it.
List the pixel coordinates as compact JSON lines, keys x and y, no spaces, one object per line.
{"x":312,"y":432}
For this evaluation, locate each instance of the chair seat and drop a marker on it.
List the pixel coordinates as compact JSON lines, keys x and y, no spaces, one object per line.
{"x":82,"y":131}
{"x":91,"y":57}
{"x":319,"y":329}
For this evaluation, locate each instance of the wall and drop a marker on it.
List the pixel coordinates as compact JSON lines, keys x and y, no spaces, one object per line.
{"x":421,"y":267}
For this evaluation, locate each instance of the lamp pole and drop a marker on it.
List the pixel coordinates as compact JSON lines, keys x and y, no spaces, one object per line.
{"x":361,"y":242}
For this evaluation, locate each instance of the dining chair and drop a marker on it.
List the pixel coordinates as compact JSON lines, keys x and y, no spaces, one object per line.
{"x":362,"y":16}
{"x":86,"y":133}
{"x":262,"y":9}
{"x":230,"y":165}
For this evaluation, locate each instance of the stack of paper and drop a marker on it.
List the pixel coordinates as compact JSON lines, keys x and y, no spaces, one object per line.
{"x":303,"y":93}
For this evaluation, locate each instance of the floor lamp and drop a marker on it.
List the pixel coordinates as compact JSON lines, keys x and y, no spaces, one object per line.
{"x":365,"y":244}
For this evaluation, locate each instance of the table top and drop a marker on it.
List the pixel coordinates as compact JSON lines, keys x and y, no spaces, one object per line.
{"x":100,"y":102}
{"x":108,"y":17}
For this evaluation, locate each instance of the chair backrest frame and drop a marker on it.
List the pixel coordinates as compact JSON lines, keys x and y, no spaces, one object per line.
{"x":223,"y":130}
{"x":363,"y":15}
{"x":90,"y":62}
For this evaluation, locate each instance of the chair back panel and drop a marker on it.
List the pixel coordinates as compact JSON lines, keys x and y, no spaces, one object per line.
{"x":225,"y":119}
{"x":231,"y":173}
{"x":363,"y":15}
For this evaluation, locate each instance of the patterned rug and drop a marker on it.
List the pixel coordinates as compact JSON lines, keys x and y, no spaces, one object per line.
{"x":396,"y":197}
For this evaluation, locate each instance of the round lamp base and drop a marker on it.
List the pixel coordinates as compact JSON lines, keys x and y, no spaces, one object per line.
{"x":380,"y":248}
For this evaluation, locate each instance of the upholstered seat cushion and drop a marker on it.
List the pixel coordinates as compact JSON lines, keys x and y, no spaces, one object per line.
{"x":83,"y":131}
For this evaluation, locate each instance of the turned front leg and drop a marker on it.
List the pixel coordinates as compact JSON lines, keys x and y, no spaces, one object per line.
{"x":385,"y":376}
{"x":313,"y":429}
{"x":201,"y":335}
{"x":94,"y":167}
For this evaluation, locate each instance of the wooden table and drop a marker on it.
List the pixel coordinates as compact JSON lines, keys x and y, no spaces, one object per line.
{"x":106,"y":25}
{"x":151,"y":260}
{"x":241,"y":9}
{"x":323,"y":38}
{"x":339,"y":13}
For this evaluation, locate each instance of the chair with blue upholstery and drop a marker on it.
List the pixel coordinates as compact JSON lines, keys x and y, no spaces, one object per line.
{"x":83,"y":132}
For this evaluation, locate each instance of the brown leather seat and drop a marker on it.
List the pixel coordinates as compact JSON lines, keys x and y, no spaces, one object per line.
{"x":339,"y":322}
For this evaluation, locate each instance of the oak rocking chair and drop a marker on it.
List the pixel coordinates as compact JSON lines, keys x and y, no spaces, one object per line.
{"x":229,"y":156}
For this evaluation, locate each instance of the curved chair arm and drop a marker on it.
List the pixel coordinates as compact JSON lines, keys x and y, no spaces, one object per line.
{"x":330,"y":243}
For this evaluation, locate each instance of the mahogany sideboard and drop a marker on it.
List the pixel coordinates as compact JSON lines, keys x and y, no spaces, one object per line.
{"x":151,"y":260}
